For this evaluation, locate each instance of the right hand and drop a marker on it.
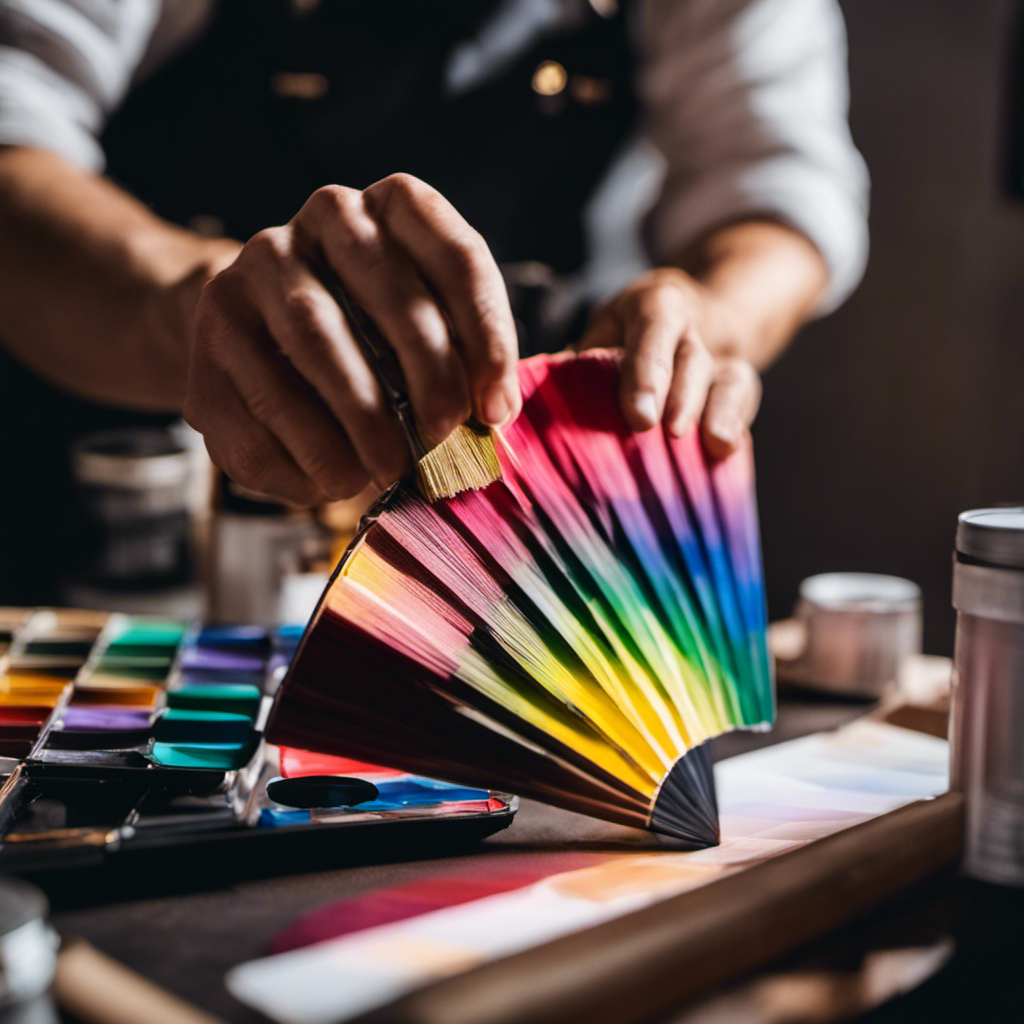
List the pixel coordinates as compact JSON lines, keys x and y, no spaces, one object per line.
{"x":279,"y":387}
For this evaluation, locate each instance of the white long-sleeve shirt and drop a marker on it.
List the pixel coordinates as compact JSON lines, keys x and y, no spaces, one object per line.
{"x":745,"y":101}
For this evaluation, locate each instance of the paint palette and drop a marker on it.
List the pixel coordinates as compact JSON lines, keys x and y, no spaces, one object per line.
{"x":128,"y":741}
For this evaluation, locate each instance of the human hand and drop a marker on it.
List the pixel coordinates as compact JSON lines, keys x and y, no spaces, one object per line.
{"x":277,"y":383}
{"x":679,"y":363}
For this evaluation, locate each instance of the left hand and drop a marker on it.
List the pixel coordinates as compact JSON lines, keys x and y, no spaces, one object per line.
{"x":681,"y":360}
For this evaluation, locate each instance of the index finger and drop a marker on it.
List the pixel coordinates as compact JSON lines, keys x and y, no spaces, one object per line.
{"x":457,"y":264}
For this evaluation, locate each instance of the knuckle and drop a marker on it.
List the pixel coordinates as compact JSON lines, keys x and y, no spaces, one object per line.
{"x":661,"y":301}
{"x":362,"y":403}
{"x":694,"y":353}
{"x":429,"y":342}
{"x":305,"y":317}
{"x":263,"y":400}
{"x":217,"y":298}
{"x":656,"y":360}
{"x":400,"y":187}
{"x":334,"y":202}
{"x":429,"y":333}
{"x":358,"y":241}
{"x":271,"y":245}
{"x":467,"y":253}
{"x":664,"y":293}
{"x":307,"y":339}
{"x":736,"y":371}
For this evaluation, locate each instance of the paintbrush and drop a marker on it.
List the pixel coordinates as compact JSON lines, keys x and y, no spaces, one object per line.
{"x":466,"y":460}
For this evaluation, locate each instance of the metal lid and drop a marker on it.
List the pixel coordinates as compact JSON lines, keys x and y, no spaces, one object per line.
{"x":994,"y":536}
{"x":133,"y":458}
{"x":860,"y":592}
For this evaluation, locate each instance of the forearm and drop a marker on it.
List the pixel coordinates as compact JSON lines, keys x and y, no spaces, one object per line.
{"x":764,"y":280}
{"x":97,"y":293}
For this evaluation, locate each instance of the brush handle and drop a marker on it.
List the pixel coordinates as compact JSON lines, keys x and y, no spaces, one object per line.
{"x":381,"y":357}
{"x":99,"y":990}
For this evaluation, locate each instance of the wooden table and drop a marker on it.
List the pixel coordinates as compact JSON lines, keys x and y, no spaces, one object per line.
{"x":962,"y":936}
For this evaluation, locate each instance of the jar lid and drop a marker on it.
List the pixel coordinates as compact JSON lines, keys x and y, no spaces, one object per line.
{"x":860,"y":592}
{"x":994,"y":536}
{"x":132,"y":458}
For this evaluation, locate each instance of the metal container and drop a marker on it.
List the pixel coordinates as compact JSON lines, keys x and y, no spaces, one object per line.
{"x":987,"y":715}
{"x":860,"y":630}
{"x":28,"y":946}
{"x":133,"y":486}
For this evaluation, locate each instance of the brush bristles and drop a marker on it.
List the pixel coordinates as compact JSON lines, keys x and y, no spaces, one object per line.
{"x":466,"y":461}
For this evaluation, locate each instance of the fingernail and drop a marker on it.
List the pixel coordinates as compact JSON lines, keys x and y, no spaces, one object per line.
{"x":646,"y":408}
{"x":680,"y":426}
{"x":494,"y":407}
{"x":724,"y":428}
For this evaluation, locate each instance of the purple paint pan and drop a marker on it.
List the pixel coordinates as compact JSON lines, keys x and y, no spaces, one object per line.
{"x":199,"y":663}
{"x":99,"y":728}
{"x":104,"y":718}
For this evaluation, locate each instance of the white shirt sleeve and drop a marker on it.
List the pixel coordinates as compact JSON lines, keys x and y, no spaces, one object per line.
{"x":747,"y":101}
{"x":64,"y":67}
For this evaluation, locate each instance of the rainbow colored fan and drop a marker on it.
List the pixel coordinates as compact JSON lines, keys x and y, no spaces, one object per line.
{"x":573,"y":633}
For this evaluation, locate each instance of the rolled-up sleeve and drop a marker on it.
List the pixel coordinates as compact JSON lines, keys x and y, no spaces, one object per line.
{"x":747,"y":100}
{"x":64,"y":67}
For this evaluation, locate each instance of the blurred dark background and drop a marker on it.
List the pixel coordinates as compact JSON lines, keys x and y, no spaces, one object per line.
{"x":906,"y":406}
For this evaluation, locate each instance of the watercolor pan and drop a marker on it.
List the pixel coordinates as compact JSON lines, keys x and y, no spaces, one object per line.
{"x":20,"y":727}
{"x":43,"y":697}
{"x":191,"y":725}
{"x":206,"y":664}
{"x":127,"y":693}
{"x":100,"y":727}
{"x":23,"y":722}
{"x":65,"y":648}
{"x":149,"y":635}
{"x":63,"y":668}
{"x":27,"y":690}
{"x":239,"y":698}
{"x":211,"y":756}
{"x":152,"y":669}
{"x":253,"y":639}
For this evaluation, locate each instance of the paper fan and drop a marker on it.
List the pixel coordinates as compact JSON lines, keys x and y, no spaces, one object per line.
{"x":573,"y":633}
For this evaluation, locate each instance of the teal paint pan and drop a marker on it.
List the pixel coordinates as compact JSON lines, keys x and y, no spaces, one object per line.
{"x":237,"y":698}
{"x":223,"y":756}
{"x":180,"y":725}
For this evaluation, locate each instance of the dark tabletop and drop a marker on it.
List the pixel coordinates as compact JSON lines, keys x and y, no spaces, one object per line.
{"x":186,"y":942}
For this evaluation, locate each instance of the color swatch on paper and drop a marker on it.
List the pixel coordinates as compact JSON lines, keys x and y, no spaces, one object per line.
{"x":368,"y":951}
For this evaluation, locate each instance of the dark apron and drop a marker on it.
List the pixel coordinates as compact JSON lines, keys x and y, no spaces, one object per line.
{"x":217,"y":136}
